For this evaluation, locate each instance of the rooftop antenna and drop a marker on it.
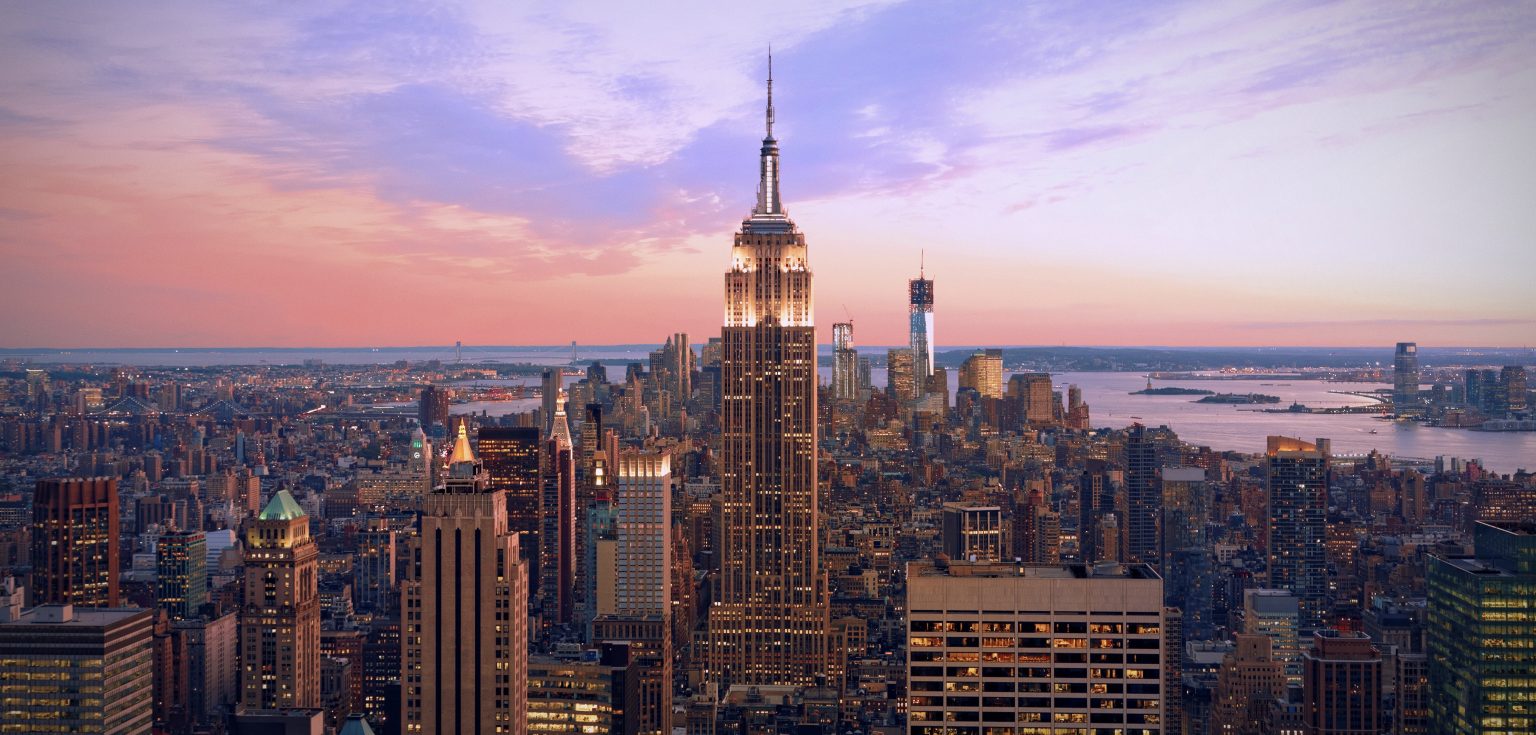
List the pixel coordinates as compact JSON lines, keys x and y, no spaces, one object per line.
{"x":770,"y":90}
{"x":922,"y":259}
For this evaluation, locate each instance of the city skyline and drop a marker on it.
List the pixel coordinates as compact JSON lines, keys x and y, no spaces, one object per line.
{"x":212,"y":178}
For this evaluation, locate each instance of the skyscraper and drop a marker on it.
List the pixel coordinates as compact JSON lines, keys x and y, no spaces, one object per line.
{"x":1033,"y":393}
{"x":510,"y":456}
{"x":920,"y":291}
{"x":770,"y":624}
{"x":280,"y":625}
{"x":75,"y":542}
{"x":557,"y":535}
{"x":1481,"y":627}
{"x":76,"y":670}
{"x":845,"y":363}
{"x":1342,"y":673}
{"x":643,"y":589}
{"x":1146,"y":450}
{"x":465,"y":663}
{"x":181,"y":565}
{"x":983,"y":372}
{"x":432,"y":409}
{"x":1046,"y":648}
{"x":1405,"y":380}
{"x":901,"y":383}
{"x":550,"y":398}
{"x":1297,"y":483}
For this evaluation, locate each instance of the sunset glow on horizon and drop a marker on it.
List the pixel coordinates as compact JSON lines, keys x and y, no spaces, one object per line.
{"x":339,"y":174}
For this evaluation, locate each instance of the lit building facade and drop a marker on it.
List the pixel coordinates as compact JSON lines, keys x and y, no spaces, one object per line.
{"x":464,"y":666}
{"x":181,"y":565}
{"x":510,"y":456}
{"x":1405,"y":380}
{"x":1481,"y":635}
{"x":1343,"y":685}
{"x":1297,"y":484}
{"x":280,"y":623}
{"x":771,"y":621}
{"x":75,"y":548}
{"x":845,"y":363}
{"x":1031,"y":650}
{"x":983,"y":372}
{"x":76,"y":670}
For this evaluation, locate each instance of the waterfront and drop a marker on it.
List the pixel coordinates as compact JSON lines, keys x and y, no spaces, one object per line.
{"x":1239,"y":428}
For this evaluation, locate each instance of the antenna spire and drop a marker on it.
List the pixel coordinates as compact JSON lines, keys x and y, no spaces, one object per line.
{"x":922,"y":262}
{"x":770,"y":91}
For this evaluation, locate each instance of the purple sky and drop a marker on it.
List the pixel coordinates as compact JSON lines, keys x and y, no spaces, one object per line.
{"x":372,"y":173}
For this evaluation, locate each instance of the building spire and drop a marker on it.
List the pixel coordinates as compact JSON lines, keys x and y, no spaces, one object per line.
{"x":770,"y":92}
{"x":768,"y":203}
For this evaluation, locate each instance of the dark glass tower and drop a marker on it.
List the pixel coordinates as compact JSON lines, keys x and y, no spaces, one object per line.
{"x":510,"y":456}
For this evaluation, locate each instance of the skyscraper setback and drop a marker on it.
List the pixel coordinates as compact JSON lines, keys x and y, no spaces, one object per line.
{"x":770,"y":625}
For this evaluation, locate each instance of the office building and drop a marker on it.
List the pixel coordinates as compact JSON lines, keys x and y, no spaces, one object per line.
{"x":464,"y":666}
{"x":1405,"y":380}
{"x":845,"y":363}
{"x":75,"y":543}
{"x":594,"y":695}
{"x":1187,"y":566}
{"x":181,"y":564}
{"x":67,"y":669}
{"x":1050,"y":649}
{"x":549,"y":392}
{"x":1342,"y":685}
{"x":974,"y":532}
{"x":644,"y":499}
{"x":1276,"y":614}
{"x":1481,"y":634}
{"x":557,"y":535}
{"x":901,"y":383}
{"x":375,"y":589}
{"x":432,"y":409}
{"x":1297,"y":484}
{"x":1249,"y":680}
{"x":920,"y":298}
{"x":1032,"y":393}
{"x":983,"y":373}
{"x":1146,"y":451}
{"x":770,"y":623}
{"x":511,"y":458}
{"x":280,"y":623}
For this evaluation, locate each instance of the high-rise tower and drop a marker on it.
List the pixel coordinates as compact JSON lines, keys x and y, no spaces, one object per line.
{"x":845,"y":363}
{"x":465,"y":663}
{"x":75,"y":542}
{"x":280,"y":626}
{"x":1297,"y":480}
{"x":770,"y":625}
{"x":920,"y":290}
{"x":1405,"y":380}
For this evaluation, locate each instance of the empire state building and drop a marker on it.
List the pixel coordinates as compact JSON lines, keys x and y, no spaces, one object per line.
{"x":770,"y":625}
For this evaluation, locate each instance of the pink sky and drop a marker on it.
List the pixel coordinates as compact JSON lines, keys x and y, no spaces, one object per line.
{"x":1171,"y":174}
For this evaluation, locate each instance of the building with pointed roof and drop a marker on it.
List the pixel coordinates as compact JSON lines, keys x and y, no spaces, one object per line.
{"x":770,"y":623}
{"x":464,"y":663}
{"x":280,"y":622}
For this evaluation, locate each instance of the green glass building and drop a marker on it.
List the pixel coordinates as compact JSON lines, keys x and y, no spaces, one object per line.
{"x":1481,"y":635}
{"x":181,"y":563}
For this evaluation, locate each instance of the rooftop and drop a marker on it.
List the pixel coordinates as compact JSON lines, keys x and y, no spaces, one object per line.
{"x":282,"y":507}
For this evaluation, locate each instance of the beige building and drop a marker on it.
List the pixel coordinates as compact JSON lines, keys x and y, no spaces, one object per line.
{"x":770,"y":623}
{"x":280,"y":622}
{"x":1034,"y":650}
{"x":983,"y":372}
{"x":464,"y":666}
